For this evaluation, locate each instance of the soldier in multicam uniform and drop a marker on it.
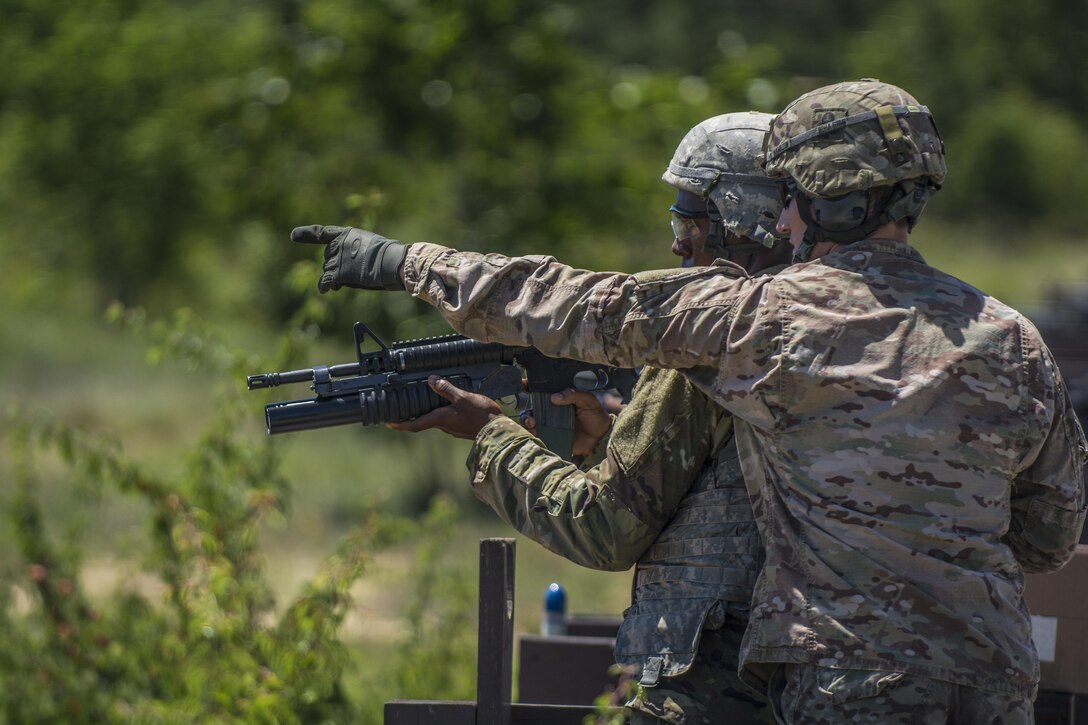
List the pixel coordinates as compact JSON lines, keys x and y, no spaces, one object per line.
{"x":695,"y":545}
{"x":907,"y":440}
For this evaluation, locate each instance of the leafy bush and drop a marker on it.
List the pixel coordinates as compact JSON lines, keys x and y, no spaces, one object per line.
{"x":215,"y":648}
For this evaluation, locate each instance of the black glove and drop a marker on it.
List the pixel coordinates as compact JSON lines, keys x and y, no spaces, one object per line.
{"x":355,"y":257}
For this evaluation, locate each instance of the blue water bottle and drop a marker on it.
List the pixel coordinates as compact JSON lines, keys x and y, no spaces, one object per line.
{"x":554,"y":621}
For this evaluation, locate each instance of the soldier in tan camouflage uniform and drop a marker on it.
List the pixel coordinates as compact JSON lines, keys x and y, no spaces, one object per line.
{"x":907,"y":440}
{"x":695,"y":545}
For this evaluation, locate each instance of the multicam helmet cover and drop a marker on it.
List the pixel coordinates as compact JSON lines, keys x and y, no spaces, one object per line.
{"x":719,"y":160}
{"x":856,"y":155}
{"x":853,"y":136}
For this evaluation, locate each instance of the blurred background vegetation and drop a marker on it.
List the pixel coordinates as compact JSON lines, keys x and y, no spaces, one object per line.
{"x":154,"y":155}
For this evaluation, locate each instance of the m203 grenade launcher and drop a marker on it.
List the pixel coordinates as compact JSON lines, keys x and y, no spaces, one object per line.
{"x":390,"y":384}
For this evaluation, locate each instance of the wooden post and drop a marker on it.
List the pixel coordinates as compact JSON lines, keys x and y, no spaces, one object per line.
{"x":495,"y":662}
{"x":495,"y":651}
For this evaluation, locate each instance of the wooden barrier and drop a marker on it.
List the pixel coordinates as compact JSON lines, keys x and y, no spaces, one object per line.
{"x":494,"y":662}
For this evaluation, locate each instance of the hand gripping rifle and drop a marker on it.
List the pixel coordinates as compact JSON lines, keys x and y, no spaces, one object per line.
{"x":390,"y":384}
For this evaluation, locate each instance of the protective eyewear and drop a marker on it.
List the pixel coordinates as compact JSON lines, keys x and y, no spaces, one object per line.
{"x":684,"y":227}
{"x":687,"y":208}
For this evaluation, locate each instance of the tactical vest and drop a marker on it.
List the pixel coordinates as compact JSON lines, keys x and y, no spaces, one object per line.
{"x":701,"y":568}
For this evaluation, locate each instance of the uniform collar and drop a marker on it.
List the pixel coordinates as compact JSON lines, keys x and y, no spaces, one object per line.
{"x":883,"y":246}
{"x":719,"y":262}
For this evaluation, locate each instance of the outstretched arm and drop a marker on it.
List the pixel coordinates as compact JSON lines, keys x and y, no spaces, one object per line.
{"x":671,"y":318}
{"x":674,"y":319}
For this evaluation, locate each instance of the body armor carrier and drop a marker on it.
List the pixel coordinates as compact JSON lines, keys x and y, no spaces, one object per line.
{"x":701,"y":569}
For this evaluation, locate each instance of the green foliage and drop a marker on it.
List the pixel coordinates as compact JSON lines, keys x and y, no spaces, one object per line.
{"x":207,"y":650}
{"x":1025,"y":162}
{"x":439,"y":653}
{"x":609,"y":705}
{"x":165,"y":149}
{"x":214,"y":647}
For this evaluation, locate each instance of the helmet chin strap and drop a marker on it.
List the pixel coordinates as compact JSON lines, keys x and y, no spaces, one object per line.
{"x":804,"y":249}
{"x":906,"y":200}
{"x":815,"y":232}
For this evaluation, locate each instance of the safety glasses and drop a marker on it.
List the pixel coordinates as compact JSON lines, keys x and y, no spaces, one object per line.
{"x":684,"y":227}
{"x":686,"y":210}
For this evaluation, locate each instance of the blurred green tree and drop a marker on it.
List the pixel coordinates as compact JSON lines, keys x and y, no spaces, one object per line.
{"x":163,"y":149}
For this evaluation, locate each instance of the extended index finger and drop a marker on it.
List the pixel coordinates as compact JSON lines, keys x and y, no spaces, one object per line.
{"x":315,"y":234}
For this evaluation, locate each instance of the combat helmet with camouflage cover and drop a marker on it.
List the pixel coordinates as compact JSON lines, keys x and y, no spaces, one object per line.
{"x":856,"y":155}
{"x":718,"y":161}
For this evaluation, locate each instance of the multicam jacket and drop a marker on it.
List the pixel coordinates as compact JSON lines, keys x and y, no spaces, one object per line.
{"x":907,"y":440}
{"x":695,"y":543}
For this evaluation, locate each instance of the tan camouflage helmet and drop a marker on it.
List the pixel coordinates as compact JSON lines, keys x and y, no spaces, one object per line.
{"x":852,"y":136}
{"x":719,"y":160}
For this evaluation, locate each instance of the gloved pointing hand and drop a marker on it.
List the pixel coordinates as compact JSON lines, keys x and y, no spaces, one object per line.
{"x":355,"y":257}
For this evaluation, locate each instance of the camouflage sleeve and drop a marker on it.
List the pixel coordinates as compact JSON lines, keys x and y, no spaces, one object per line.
{"x":606,"y":517}
{"x":656,"y":318}
{"x":1048,"y":503}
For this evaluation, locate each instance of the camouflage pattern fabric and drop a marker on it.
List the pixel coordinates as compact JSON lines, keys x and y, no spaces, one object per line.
{"x":852,"y":136}
{"x":700,"y":568}
{"x":709,"y":693}
{"x":606,"y":517}
{"x":907,"y":440}
{"x":809,"y":695}
{"x":696,"y":543}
